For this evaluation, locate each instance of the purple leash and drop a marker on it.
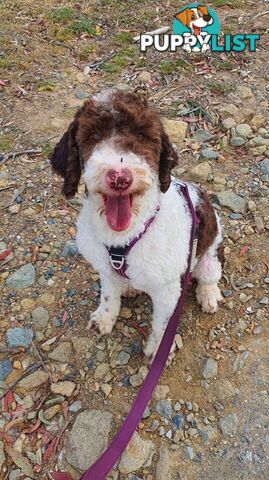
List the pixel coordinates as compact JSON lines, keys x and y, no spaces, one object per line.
{"x":109,"y":457}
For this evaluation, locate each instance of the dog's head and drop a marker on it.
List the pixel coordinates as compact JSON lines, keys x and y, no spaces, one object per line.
{"x":195,"y":18}
{"x":120,"y":145}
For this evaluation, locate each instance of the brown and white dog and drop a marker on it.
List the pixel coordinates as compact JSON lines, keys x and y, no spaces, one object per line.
{"x":119,"y":145}
{"x":195,"y":18}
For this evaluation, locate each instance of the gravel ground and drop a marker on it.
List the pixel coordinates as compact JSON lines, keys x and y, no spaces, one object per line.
{"x":70,"y":389}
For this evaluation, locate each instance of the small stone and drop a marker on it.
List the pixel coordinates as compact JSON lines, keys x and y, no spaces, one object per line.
{"x":88,"y":438}
{"x":200,"y":172}
{"x":136,"y":380}
{"x":75,"y":406}
{"x":161,"y":392}
{"x":126,"y":313}
{"x":177,"y":422}
{"x":61,"y":353}
{"x":244,"y":93}
{"x":209,"y":154}
{"x":257,"y":121}
{"x":101,"y":371}
{"x":264,"y":165}
{"x":33,"y":381}
{"x":154,"y":425}
{"x":40,"y":318}
{"x":24,"y":277}
{"x":177,"y":407}
{"x":189,"y":406}
{"x":2,"y":455}
{"x":251,"y":206}
{"x":243,"y":130}
{"x":228,"y":123}
{"x":146,"y":413}
{"x":70,"y":249}
{"x":202,"y":136}
{"x":138,"y":454}
{"x":14,"y":209}
{"x":17,"y":365}
{"x":52,"y":411}
{"x":27,"y":304}
{"x":19,"y":337}
{"x":259,"y":225}
{"x":210,"y":368}
{"x":175,"y":129}
{"x":65,"y":388}
{"x":189,"y":452}
{"x":28,"y":402}
{"x":123,"y":358}
{"x":237,"y":141}
{"x":231,"y":200}
{"x":5,"y":368}
{"x":144,"y":77}
{"x":164,"y":408}
{"x":239,"y":362}
{"x":229,"y":109}
{"x":264,"y":301}
{"x":257,"y":330}
{"x":47,"y":299}
{"x":229,"y":424}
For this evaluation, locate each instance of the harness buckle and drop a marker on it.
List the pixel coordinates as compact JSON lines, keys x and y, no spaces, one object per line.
{"x":116,"y":260}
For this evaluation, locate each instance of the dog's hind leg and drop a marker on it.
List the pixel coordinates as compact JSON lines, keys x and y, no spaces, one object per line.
{"x":208,"y":273}
{"x":112,"y":287}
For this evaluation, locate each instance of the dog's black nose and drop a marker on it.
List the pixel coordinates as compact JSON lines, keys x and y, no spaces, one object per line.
{"x":207,"y":18}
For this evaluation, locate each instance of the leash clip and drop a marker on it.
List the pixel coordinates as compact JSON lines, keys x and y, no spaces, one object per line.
{"x":118,"y":262}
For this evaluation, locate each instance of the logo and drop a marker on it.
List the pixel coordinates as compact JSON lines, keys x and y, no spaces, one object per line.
{"x":196,"y":28}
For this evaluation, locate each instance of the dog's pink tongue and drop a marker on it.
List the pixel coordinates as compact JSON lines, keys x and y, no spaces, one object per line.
{"x":118,"y":212}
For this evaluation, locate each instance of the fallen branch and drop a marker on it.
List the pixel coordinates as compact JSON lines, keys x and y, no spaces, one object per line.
{"x":153,"y":32}
{"x":12,"y":155}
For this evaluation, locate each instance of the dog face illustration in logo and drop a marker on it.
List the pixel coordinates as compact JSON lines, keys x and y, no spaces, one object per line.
{"x":195,"y":18}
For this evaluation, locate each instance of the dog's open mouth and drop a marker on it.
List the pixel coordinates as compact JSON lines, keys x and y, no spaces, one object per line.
{"x":196,"y":30}
{"x":118,"y":211}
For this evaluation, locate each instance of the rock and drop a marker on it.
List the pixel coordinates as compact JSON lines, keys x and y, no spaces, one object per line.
{"x":136,"y":380}
{"x":47,"y":299}
{"x":200,"y":172}
{"x":257,"y":121}
{"x":224,"y":390}
{"x":33,"y":381}
{"x":64,"y":388}
{"x":2,"y":455}
{"x":210,"y":368}
{"x":27,"y":304}
{"x":144,"y":77}
{"x":75,"y":406}
{"x":175,"y":129}
{"x":231,"y":200}
{"x":20,"y":462}
{"x":88,"y":438}
{"x":52,"y":411}
{"x":202,"y":136}
{"x":177,"y":422}
{"x":61,"y":353}
{"x":24,"y":277}
{"x":264,"y":165}
{"x":70,"y":249}
{"x":189,"y":452}
{"x":164,"y":408}
{"x":228,"y":109}
{"x":40,"y":318}
{"x":19,"y":337}
{"x":209,"y":154}
{"x":259,"y":141}
{"x":179,"y":342}
{"x":101,"y":371}
{"x":146,"y":413}
{"x":5,"y":368}
{"x":243,"y":130}
{"x":138,"y":453}
{"x":259,"y":225}
{"x":229,"y":424}
{"x":239,"y":361}
{"x":28,"y":402}
{"x":126,"y":312}
{"x":237,"y":141}
{"x":106,"y":389}
{"x":244,"y":93}
{"x":123,"y":358}
{"x":251,"y":206}
{"x":228,"y":123}
{"x":163,"y":464}
{"x":161,"y":392}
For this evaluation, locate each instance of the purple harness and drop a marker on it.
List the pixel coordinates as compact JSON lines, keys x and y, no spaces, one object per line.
{"x":110,"y":456}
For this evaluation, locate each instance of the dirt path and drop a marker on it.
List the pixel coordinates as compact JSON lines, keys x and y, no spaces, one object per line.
{"x":208,"y":419}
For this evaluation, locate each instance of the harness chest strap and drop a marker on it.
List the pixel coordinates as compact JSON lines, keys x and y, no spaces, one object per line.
{"x":108,"y":459}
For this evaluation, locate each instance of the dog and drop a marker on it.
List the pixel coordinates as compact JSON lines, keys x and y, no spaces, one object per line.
{"x":195,"y":18}
{"x":119,"y":145}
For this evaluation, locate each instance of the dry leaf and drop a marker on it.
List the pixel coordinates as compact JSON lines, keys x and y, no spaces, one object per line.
{"x":21,"y":462}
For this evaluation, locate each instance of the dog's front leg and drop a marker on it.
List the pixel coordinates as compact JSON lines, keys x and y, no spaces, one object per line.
{"x":106,"y":314}
{"x":164,"y":299}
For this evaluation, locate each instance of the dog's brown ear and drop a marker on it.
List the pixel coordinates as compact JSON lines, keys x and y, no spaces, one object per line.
{"x":66,"y":162}
{"x":168,"y":160}
{"x":183,"y":16}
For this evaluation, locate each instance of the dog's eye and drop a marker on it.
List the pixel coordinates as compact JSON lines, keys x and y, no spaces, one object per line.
{"x":140,"y":136}
{"x":193,"y":17}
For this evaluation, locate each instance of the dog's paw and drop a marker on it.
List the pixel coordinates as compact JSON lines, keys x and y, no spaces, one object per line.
{"x":102,"y":320}
{"x":208,"y":296}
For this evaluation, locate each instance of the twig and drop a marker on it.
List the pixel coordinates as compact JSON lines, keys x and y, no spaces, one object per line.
{"x":6,"y":188}
{"x":94,"y":66}
{"x":30,"y":369}
{"x":159,"y":97}
{"x":261,"y":14}
{"x":61,"y":44}
{"x":12,"y":155}
{"x":153,"y":32}
{"x":60,"y":435}
{"x":12,"y":351}
{"x":41,"y":360}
